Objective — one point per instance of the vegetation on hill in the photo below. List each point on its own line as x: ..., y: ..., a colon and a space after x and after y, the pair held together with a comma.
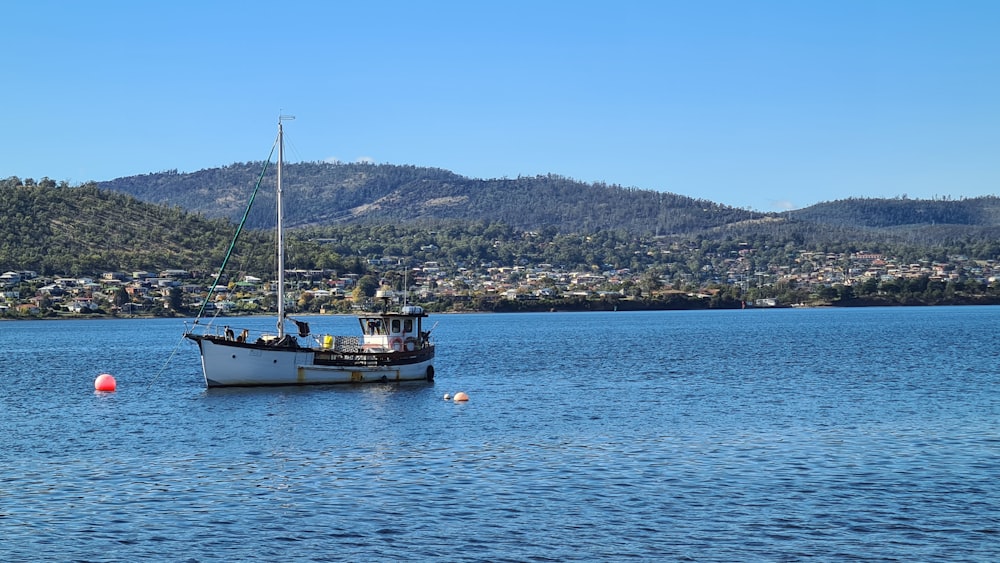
x: 321, y: 194
x: 882, y: 213
x: 324, y: 195
x: 56, y: 229
x: 349, y: 214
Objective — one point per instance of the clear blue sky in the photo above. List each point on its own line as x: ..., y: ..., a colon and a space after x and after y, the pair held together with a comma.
x: 759, y: 104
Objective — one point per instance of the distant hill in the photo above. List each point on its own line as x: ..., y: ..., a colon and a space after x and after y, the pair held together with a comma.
x: 324, y: 195
x: 881, y: 213
x: 916, y: 221
x: 170, y: 219
x: 319, y: 194
x: 84, y: 230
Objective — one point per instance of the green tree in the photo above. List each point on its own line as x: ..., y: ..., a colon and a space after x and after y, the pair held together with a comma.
x: 175, y: 299
x: 826, y: 293
x: 844, y: 292
x: 120, y: 297
x: 869, y: 286
x: 365, y: 288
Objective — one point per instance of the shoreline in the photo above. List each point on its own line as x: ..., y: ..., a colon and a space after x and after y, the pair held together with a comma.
x: 583, y: 307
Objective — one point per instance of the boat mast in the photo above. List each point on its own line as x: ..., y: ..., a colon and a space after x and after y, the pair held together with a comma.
x: 281, y: 229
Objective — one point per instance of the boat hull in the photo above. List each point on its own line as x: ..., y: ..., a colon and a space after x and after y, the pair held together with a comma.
x: 227, y: 363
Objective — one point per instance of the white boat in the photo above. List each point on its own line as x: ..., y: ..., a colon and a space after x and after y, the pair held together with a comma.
x: 392, y: 346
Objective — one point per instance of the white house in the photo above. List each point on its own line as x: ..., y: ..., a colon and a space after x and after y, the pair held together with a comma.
x: 10, y: 278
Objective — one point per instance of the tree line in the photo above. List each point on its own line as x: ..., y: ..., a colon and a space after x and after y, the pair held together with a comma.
x: 54, y: 228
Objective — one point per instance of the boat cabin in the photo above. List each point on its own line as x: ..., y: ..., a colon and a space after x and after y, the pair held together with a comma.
x: 398, y: 332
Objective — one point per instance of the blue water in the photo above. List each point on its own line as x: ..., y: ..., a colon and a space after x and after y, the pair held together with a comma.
x: 774, y: 435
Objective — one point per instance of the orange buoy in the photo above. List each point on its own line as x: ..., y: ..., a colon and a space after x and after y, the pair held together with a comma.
x: 105, y: 382
x: 461, y: 396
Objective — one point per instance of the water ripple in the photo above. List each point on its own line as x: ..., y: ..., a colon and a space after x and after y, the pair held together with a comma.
x: 831, y: 435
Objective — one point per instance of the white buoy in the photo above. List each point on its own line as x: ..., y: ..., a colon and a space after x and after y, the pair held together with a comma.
x: 447, y: 397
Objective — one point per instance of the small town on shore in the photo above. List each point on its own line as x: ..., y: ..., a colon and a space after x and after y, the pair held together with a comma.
x: 814, y: 279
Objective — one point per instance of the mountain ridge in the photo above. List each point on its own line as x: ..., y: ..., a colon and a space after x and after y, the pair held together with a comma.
x: 319, y: 194
x: 400, y: 210
x: 327, y: 193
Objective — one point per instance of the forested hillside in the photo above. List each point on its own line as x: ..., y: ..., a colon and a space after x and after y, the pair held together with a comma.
x: 430, y: 214
x: 901, y: 212
x: 324, y: 194
x: 916, y: 222
x: 85, y: 230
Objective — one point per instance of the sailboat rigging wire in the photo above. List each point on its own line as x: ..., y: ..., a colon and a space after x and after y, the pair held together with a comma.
x: 239, y: 229
x: 164, y: 366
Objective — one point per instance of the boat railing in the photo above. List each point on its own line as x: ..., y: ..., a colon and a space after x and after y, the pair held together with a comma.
x: 236, y: 334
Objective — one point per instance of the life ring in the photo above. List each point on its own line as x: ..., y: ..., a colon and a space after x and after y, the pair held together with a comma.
x: 396, y: 344
x: 411, y: 344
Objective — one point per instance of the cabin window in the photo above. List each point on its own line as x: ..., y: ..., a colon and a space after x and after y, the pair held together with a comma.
x: 408, y: 326
x: 395, y: 326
